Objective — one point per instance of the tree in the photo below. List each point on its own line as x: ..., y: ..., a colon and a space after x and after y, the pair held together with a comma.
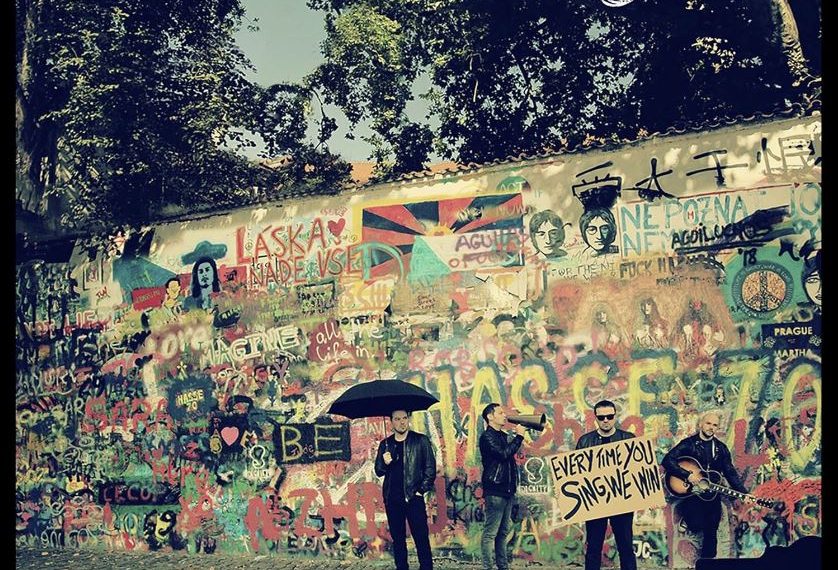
x: 127, y: 110
x: 530, y: 75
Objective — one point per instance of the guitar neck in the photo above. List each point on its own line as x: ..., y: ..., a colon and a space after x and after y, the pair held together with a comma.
x: 731, y: 492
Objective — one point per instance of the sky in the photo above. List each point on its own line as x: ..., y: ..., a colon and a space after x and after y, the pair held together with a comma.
x: 286, y: 48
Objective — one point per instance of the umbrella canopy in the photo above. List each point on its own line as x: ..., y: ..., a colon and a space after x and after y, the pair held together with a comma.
x: 380, y: 398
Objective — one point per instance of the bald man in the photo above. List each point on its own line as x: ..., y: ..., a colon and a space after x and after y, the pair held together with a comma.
x: 699, y: 515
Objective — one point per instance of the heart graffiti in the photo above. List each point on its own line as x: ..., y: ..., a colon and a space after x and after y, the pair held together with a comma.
x: 336, y: 227
x: 230, y: 435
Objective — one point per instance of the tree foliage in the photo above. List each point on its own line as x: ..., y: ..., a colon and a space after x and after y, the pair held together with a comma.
x: 528, y: 75
x: 130, y: 109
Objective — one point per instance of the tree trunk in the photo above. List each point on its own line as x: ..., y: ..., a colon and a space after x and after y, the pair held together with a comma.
x: 34, y: 138
x: 790, y: 39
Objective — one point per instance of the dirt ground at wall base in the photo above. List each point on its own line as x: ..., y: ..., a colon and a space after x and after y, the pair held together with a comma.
x: 28, y: 558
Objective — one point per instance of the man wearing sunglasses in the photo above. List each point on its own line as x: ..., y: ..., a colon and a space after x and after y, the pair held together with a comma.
x: 621, y: 525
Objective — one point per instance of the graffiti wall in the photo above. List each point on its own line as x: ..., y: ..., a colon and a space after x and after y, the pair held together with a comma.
x: 171, y: 391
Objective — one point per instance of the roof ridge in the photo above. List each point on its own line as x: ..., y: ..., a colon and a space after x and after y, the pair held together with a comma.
x: 427, y: 173
x: 679, y: 128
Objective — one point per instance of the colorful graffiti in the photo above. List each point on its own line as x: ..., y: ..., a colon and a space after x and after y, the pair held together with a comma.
x: 171, y: 391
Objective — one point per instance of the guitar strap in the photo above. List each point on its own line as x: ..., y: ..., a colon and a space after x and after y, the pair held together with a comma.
x: 699, y: 446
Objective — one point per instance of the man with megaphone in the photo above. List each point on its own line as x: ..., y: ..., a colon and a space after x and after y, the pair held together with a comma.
x: 499, y: 480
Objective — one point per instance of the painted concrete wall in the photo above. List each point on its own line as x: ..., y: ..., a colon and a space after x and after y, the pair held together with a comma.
x: 171, y: 392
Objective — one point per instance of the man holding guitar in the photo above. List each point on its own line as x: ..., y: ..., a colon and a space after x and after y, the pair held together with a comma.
x: 694, y: 464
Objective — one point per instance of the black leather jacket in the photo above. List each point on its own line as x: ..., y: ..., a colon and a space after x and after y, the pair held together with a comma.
x: 593, y: 438
x: 419, y: 464
x: 500, y: 474
x: 720, y: 461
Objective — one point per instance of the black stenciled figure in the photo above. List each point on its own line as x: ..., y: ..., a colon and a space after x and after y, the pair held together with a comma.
x: 204, y: 284
x: 547, y: 231
x: 812, y: 275
x: 621, y: 525
x: 599, y: 230
x: 700, y: 515
x: 159, y: 530
x: 407, y: 463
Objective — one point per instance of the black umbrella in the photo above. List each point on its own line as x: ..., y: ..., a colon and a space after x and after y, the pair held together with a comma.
x: 380, y: 398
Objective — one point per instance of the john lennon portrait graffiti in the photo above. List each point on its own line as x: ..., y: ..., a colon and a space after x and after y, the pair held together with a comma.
x: 547, y: 231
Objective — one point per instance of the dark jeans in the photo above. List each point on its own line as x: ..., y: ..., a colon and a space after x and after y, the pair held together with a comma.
x: 595, y: 535
x: 703, y: 517
x: 414, y: 514
x: 496, y: 527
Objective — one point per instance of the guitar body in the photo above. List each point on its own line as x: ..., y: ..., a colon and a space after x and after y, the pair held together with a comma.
x: 680, y: 488
x: 709, y: 486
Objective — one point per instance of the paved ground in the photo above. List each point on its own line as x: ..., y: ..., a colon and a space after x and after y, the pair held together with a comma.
x: 29, y: 558
x: 89, y: 559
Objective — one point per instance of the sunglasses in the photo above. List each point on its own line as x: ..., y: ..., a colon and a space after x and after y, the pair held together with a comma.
x: 605, y: 417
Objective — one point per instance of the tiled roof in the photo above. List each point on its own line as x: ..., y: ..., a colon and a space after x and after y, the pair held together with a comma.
x: 796, y: 110
x: 362, y: 171
x: 361, y: 174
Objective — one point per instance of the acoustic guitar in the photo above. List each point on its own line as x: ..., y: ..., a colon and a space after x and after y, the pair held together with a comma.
x: 709, y: 486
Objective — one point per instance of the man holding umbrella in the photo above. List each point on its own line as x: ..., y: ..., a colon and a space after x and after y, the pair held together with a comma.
x: 407, y: 463
x: 405, y: 459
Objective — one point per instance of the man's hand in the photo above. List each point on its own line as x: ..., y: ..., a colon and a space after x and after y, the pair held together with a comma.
x: 520, y: 430
x: 388, y: 459
x: 694, y: 478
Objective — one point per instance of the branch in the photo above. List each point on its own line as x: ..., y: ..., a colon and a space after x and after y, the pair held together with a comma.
x: 533, y: 107
x: 476, y: 81
x: 323, y: 115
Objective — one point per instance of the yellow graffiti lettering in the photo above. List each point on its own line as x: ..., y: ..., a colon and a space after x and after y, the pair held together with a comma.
x: 805, y: 371
x: 318, y: 438
x: 751, y: 374
x: 419, y: 422
x: 445, y: 387
x: 662, y: 365
x: 529, y: 528
x: 294, y: 442
x: 531, y: 374
x: 486, y: 380
x: 593, y: 371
